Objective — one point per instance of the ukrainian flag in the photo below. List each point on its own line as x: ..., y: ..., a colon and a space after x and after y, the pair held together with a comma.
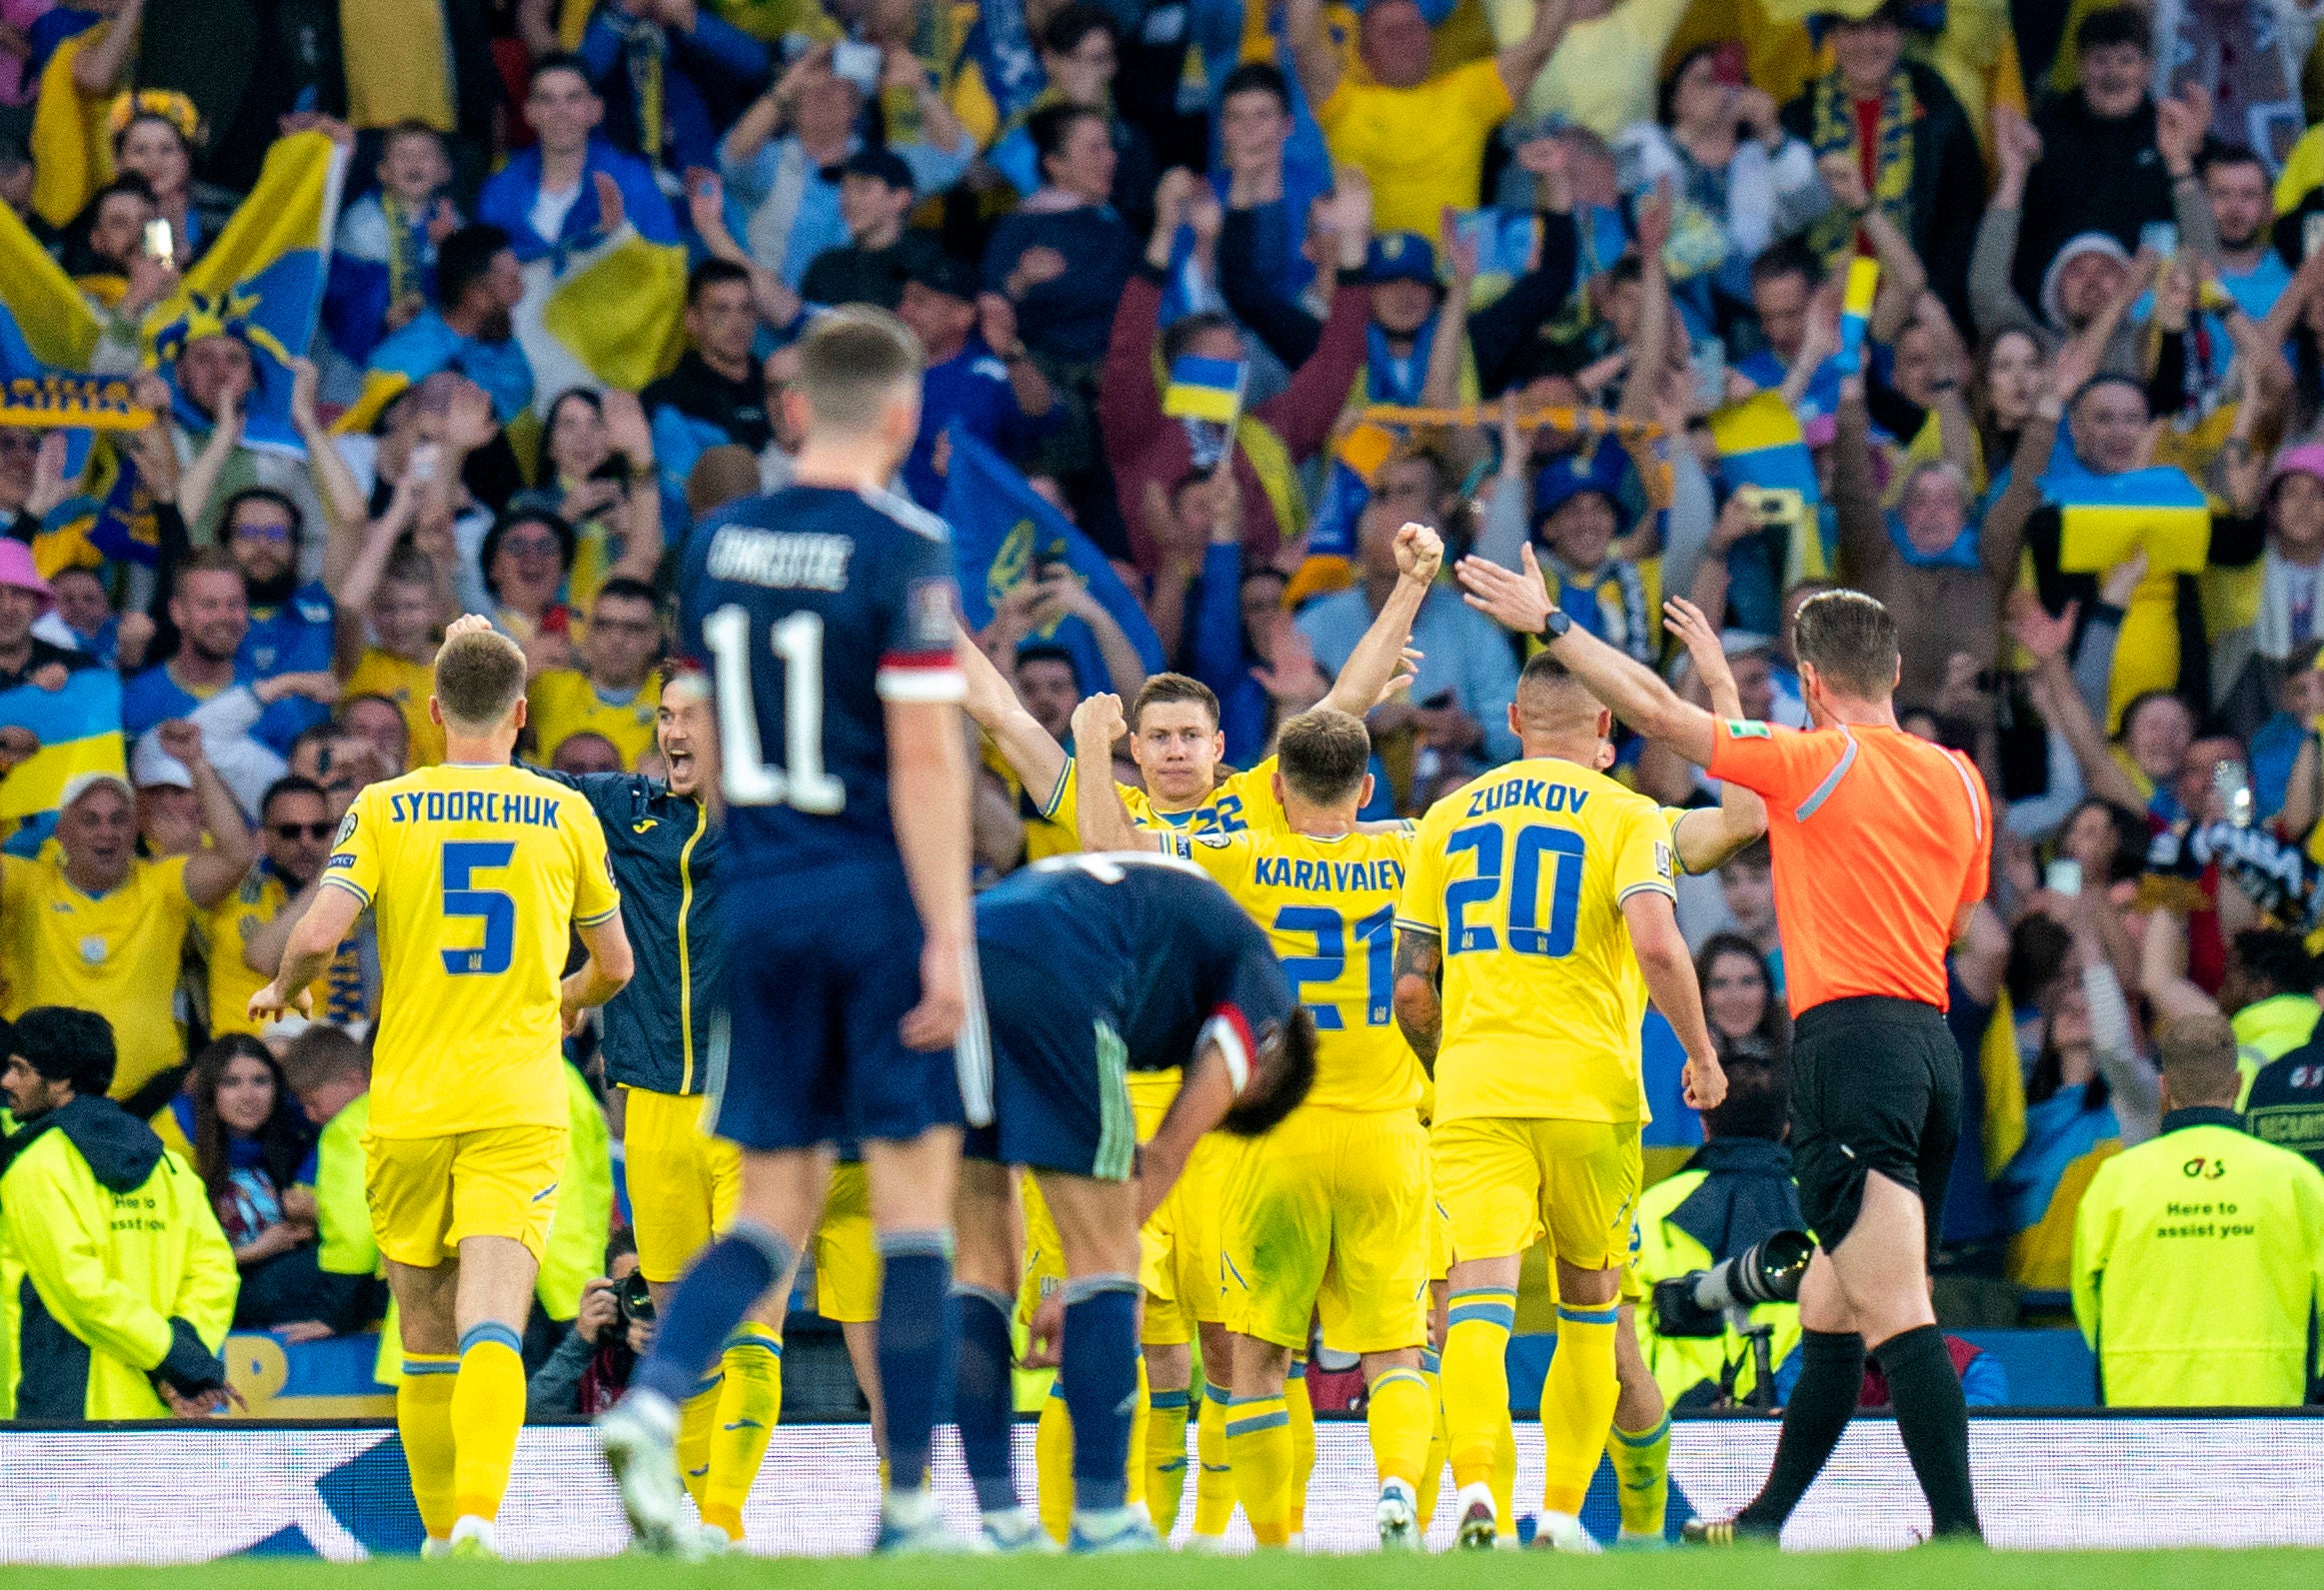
x: 609, y: 315
x: 79, y: 730
x: 1205, y: 388
x: 262, y: 281
x: 2103, y: 517
x: 47, y: 334
x: 1761, y: 446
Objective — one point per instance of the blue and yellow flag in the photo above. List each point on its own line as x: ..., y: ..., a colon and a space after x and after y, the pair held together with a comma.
x: 47, y: 334
x: 1205, y: 388
x: 1762, y: 447
x: 618, y: 310
x: 1005, y: 534
x: 261, y: 282
x: 2103, y: 517
x: 79, y: 730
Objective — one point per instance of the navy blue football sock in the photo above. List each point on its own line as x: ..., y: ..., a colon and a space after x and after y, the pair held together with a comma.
x: 728, y: 1278
x: 981, y: 1394
x: 1099, y: 1371
x: 915, y: 1337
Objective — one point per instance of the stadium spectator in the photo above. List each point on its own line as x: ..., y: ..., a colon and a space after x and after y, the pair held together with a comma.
x: 248, y: 1141
x: 574, y: 188
x: 104, y: 1319
x: 880, y: 254
x: 210, y: 608
x: 1741, y: 1001
x: 1081, y: 51
x: 614, y: 694
x: 24, y: 597
x: 468, y: 325
x: 294, y: 836
x: 717, y: 395
x: 981, y: 375
x: 2196, y: 1276
x: 93, y: 924
x: 664, y: 68
x: 293, y: 622
x: 1063, y: 255
x: 383, y: 257
x: 591, y: 1366
x: 524, y: 561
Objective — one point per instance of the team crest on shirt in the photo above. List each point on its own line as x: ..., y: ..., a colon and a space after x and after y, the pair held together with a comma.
x: 929, y: 604
x: 346, y: 829
x: 1663, y: 860
x: 93, y: 951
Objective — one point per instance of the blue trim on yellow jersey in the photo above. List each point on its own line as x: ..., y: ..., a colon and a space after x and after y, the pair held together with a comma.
x: 1591, y: 1316
x: 350, y: 886
x: 601, y: 916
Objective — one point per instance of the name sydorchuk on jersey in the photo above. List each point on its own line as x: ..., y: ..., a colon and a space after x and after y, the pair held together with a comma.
x: 1541, y: 793
x: 473, y: 806
x: 781, y: 559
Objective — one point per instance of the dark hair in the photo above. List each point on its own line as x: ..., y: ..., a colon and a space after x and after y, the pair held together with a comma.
x: 1073, y: 24
x: 620, y: 1246
x: 465, y: 258
x: 121, y: 137
x: 1052, y: 125
x: 1772, y: 1036
x: 205, y: 561
x: 1282, y: 1072
x: 1758, y: 1101
x: 261, y: 494
x: 65, y: 1044
x: 1323, y: 755
x: 623, y: 588
x: 2127, y: 858
x: 1850, y: 640
x: 409, y: 127
x: 1667, y: 95
x: 710, y: 273
x: 1256, y: 77
x: 2216, y: 153
x: 289, y: 784
x: 2114, y: 25
x: 2038, y: 954
x: 79, y: 254
x: 1179, y: 335
x: 283, y: 1138
x: 2276, y: 957
x: 522, y: 510
x: 1161, y: 688
x: 1048, y: 652
x: 2049, y: 1066
x: 559, y: 61
x: 1788, y: 257
x: 2141, y: 701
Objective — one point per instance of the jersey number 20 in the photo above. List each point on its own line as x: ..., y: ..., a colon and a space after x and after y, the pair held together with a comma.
x: 1557, y: 850
x: 749, y: 778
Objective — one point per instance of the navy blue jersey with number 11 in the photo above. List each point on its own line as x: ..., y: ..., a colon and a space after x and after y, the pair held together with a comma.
x: 811, y: 608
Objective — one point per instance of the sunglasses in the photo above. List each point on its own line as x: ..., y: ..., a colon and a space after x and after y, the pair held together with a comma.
x: 295, y: 831
x: 274, y: 532
x: 531, y: 545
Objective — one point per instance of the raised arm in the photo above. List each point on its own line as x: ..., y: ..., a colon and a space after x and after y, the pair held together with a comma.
x: 1640, y: 697
x: 1523, y: 61
x: 2162, y: 970
x: 212, y: 871
x: 1038, y: 760
x: 2044, y: 638
x: 1312, y: 54
x: 1099, y: 814
x: 1372, y: 668
x: 1706, y: 839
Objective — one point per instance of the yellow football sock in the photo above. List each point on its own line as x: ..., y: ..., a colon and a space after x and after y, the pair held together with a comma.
x: 1215, y: 1480
x: 1166, y: 1458
x: 1643, y: 1475
x: 1431, y: 1466
x: 488, y: 1409
x: 1053, y: 1466
x: 1303, y: 1412
x: 1475, y: 1379
x: 1578, y: 1404
x: 749, y: 1400
x: 1504, y: 1468
x: 1260, y: 1447
x: 1401, y: 1416
x: 424, y: 1420
x: 697, y: 1419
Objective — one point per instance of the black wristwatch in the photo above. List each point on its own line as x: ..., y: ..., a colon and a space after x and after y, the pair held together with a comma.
x: 1555, y: 625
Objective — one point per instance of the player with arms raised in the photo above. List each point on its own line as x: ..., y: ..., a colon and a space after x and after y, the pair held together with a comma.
x: 1882, y: 844
x: 477, y: 872
x: 826, y: 613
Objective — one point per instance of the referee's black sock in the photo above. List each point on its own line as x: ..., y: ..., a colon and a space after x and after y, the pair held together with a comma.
x: 1831, y: 1378
x: 1933, y: 1418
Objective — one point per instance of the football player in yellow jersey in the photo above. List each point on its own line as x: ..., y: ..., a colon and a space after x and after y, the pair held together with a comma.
x: 1538, y: 916
x: 1329, y: 1209
x: 477, y: 875
x: 1177, y: 744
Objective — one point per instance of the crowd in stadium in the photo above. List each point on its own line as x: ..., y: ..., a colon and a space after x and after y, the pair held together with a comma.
x: 1215, y: 296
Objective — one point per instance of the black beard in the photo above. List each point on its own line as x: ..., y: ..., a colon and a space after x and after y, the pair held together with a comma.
x: 496, y: 327
x: 2237, y: 245
x: 271, y: 591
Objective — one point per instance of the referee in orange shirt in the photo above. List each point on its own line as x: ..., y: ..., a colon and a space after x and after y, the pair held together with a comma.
x: 1882, y: 843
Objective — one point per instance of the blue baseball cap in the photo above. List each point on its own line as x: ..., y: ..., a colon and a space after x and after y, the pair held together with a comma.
x: 1400, y: 257
x: 1603, y: 470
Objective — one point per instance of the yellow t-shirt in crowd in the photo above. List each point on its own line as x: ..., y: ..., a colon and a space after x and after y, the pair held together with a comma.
x: 115, y: 954
x: 476, y: 876
x: 1521, y: 875
x: 1329, y: 908
x: 564, y: 703
x: 1604, y: 71
x: 226, y: 928
x: 407, y: 685
x: 1422, y: 148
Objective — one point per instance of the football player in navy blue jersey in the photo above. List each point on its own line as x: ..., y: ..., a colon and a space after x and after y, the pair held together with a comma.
x: 851, y: 1012
x: 1096, y: 966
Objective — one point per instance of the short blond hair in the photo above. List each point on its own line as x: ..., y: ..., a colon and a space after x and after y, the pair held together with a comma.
x: 479, y: 678
x: 852, y: 361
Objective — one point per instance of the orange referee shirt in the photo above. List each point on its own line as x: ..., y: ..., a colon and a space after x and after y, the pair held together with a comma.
x: 1878, y: 838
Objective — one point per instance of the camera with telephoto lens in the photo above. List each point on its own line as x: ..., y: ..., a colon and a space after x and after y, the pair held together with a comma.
x: 636, y: 1300
x: 1699, y: 1303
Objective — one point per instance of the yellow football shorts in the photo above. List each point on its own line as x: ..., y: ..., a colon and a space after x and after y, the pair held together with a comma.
x: 683, y: 1181
x: 429, y: 1194
x: 1501, y: 1181
x: 1439, y: 1231
x: 847, y: 1257
x: 1180, y: 1246
x: 1330, y: 1215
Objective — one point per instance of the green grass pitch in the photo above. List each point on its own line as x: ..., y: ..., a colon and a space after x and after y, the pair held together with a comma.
x: 1929, y: 1568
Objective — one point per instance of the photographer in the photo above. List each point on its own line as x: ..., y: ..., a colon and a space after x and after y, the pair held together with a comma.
x: 1735, y: 1192
x: 591, y: 1366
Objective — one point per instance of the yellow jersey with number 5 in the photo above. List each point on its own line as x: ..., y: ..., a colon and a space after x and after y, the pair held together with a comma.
x: 1328, y: 907
x: 476, y: 876
x: 1521, y: 877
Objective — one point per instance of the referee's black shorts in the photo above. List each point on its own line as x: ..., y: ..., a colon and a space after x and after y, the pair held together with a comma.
x: 1875, y: 1085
